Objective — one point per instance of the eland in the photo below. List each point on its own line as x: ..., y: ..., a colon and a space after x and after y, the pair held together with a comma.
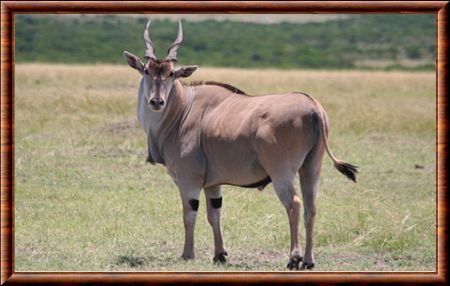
x: 209, y: 134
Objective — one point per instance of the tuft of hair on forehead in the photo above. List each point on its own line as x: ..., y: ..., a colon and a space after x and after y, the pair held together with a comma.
x: 160, y: 67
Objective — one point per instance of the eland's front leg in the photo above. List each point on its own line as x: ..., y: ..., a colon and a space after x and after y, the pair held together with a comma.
x: 213, y: 206
x: 189, y: 197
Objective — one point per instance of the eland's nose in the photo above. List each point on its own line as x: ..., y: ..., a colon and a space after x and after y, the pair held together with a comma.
x: 156, y: 102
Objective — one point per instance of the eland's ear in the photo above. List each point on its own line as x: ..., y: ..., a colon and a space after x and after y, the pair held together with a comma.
x: 134, y: 62
x: 185, y: 71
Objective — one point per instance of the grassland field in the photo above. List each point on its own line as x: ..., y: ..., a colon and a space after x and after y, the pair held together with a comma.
x: 85, y: 200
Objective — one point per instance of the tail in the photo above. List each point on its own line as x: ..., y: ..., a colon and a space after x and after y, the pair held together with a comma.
x: 345, y: 168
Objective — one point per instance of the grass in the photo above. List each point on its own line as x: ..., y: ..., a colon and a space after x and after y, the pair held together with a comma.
x: 85, y: 200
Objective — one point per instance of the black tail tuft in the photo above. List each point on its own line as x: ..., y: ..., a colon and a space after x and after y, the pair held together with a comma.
x: 347, y: 169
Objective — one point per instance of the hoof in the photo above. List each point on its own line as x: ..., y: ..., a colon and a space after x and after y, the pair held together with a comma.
x: 220, y: 258
x: 308, y: 266
x: 187, y: 257
x: 294, y: 262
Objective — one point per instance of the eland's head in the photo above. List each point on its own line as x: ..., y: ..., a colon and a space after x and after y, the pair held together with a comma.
x: 159, y: 75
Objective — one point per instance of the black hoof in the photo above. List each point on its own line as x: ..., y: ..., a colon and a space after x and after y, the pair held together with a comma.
x: 220, y: 258
x: 308, y: 266
x: 294, y: 262
x: 185, y: 257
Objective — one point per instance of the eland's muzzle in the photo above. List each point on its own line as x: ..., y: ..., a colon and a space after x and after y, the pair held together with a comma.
x: 156, y: 103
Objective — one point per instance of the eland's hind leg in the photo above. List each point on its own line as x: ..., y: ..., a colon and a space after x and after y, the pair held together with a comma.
x: 213, y: 197
x: 282, y: 160
x: 309, y: 182
x: 284, y: 188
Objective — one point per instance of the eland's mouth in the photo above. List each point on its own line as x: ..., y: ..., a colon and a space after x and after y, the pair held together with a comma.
x: 156, y: 108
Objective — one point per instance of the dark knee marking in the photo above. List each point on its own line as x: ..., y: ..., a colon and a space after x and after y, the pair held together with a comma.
x: 194, y: 204
x: 216, y: 203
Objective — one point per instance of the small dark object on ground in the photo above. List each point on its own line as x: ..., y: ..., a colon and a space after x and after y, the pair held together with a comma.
x: 131, y: 261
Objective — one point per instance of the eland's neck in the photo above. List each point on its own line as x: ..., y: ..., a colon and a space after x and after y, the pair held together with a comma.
x: 173, y: 112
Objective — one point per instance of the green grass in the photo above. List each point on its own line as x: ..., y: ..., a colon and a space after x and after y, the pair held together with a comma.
x: 86, y: 200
